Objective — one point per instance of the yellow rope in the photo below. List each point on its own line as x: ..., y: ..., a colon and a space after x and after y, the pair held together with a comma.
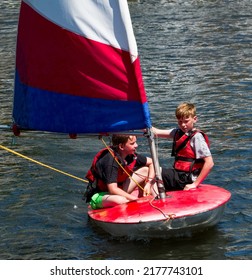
x: 42, y: 164
x: 169, y: 216
x: 105, y: 144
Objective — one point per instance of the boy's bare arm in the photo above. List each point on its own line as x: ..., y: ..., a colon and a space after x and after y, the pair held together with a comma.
x: 208, y: 165
x: 162, y: 133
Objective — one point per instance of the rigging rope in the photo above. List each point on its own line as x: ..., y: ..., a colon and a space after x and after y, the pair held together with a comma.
x: 42, y: 164
x: 167, y: 216
x: 117, y: 161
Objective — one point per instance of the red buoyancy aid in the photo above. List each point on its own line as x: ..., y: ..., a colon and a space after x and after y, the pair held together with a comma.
x: 123, y: 171
x: 185, y: 159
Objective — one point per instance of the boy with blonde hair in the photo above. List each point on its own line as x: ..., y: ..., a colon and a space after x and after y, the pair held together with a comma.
x: 193, y: 159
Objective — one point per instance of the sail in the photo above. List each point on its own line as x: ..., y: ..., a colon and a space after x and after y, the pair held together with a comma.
x: 77, y: 68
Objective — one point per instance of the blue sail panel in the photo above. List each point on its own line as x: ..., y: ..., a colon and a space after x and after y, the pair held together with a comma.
x: 71, y: 112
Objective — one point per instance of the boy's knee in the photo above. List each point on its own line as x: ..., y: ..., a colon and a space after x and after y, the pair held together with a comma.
x: 144, y: 171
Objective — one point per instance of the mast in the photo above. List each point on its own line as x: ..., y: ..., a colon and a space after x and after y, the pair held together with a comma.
x: 61, y: 86
x: 154, y: 156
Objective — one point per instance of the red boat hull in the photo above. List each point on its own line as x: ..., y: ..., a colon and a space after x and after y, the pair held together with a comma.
x: 181, y: 212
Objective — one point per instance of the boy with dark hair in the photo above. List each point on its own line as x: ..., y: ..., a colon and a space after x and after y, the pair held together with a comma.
x: 118, y: 170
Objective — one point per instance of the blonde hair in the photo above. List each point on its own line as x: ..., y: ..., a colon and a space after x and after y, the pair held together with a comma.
x: 185, y: 110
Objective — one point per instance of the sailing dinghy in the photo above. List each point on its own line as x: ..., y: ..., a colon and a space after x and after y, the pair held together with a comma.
x: 78, y: 72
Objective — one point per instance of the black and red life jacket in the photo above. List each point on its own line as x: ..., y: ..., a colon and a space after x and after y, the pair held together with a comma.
x: 123, y: 171
x: 185, y: 158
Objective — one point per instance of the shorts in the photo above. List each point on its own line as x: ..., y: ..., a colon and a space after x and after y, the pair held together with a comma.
x: 96, y: 200
x: 174, y: 180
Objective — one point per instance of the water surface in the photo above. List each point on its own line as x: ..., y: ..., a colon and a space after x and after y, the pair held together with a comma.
x: 197, y: 51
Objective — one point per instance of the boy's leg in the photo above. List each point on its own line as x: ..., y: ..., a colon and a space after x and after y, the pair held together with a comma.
x: 139, y: 177
x: 103, y: 200
x: 113, y: 200
x: 170, y: 179
x: 136, y: 178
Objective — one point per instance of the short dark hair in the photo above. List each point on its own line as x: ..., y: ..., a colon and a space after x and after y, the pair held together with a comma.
x: 120, y: 139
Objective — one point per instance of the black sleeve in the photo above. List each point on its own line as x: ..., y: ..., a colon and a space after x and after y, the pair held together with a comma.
x: 140, y: 161
x: 108, y: 169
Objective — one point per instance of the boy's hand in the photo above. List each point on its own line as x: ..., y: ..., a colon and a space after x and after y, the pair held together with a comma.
x: 147, y: 189
x: 190, y: 187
